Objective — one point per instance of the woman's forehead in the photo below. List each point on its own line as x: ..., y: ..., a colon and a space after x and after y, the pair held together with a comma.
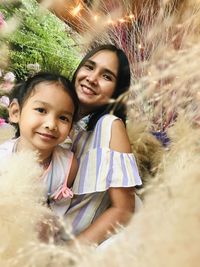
x: 105, y: 59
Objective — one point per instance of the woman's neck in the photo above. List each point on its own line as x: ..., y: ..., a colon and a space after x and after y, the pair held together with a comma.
x: 84, y: 112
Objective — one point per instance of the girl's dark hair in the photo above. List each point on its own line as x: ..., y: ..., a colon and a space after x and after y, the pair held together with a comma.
x: 23, y: 90
x: 122, y: 84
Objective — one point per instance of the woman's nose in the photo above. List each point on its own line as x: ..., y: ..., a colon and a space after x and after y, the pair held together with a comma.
x: 92, y: 77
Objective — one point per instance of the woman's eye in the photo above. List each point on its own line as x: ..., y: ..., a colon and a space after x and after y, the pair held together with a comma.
x: 88, y: 66
x: 41, y: 110
x: 107, y: 77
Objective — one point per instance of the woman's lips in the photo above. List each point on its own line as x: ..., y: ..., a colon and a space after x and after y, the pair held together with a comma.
x: 87, y: 90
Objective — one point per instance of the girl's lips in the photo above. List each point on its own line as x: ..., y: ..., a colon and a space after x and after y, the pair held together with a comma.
x: 47, y: 136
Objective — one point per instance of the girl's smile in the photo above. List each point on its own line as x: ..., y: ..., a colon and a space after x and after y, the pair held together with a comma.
x: 46, y: 137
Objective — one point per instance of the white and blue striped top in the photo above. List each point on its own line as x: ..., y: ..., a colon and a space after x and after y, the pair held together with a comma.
x: 99, y: 169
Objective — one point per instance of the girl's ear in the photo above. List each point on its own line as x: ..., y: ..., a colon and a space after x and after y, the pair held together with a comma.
x: 14, y: 111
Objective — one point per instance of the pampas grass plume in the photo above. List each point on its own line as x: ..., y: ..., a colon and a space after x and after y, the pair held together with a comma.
x: 6, y: 132
x: 21, y: 206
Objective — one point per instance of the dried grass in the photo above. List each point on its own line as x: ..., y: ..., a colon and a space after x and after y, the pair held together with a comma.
x: 165, y: 83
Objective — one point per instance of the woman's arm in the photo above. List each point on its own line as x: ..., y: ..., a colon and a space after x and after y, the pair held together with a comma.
x: 120, y: 212
x: 122, y: 199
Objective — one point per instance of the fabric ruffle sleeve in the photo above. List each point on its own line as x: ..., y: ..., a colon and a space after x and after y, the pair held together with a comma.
x: 6, y: 149
x: 102, y: 168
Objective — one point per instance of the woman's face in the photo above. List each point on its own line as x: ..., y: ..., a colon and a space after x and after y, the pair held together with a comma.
x: 96, y: 80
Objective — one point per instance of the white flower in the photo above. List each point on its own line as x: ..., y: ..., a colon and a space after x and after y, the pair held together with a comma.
x: 4, y: 101
x: 9, y: 77
x: 34, y: 67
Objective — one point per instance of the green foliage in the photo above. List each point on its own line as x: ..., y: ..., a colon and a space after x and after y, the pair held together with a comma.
x: 41, y: 38
x: 3, y: 113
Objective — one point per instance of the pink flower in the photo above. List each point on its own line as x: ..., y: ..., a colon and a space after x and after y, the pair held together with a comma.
x: 6, y: 86
x: 2, y: 121
x: 2, y: 21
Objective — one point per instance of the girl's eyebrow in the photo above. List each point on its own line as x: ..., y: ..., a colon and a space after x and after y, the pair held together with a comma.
x: 93, y: 63
x: 48, y: 105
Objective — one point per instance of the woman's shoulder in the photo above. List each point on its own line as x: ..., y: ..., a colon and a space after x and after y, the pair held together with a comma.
x: 102, y: 130
x: 119, y: 140
x: 111, y: 132
x: 107, y: 118
x: 105, y: 123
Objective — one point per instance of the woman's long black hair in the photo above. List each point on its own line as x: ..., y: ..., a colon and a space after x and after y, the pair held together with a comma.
x: 122, y: 84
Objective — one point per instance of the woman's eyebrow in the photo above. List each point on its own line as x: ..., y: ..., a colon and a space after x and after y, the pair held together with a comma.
x: 111, y: 73
x: 93, y: 63
x: 90, y: 61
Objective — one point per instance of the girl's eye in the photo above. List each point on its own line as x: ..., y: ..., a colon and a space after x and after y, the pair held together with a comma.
x: 65, y: 119
x: 41, y: 110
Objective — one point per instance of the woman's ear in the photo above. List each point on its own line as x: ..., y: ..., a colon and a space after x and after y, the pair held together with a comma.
x: 14, y: 111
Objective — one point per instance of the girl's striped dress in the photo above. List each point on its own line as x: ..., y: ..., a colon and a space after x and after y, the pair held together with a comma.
x: 99, y: 169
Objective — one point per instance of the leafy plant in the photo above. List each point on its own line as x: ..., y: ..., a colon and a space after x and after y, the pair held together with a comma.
x: 40, y: 38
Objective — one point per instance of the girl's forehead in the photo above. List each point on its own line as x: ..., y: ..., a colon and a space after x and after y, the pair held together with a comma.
x: 50, y: 92
x: 46, y: 83
x: 47, y: 86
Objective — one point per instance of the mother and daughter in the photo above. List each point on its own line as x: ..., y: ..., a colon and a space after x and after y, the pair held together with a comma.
x: 92, y: 186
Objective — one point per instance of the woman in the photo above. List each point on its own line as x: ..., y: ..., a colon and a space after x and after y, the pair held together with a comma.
x: 103, y: 190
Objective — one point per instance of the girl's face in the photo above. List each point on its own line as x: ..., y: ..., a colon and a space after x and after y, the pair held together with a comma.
x: 45, y: 118
x: 96, y: 80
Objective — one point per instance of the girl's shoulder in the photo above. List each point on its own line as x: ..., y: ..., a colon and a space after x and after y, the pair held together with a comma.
x: 7, y: 145
x: 62, y: 152
x: 6, y: 148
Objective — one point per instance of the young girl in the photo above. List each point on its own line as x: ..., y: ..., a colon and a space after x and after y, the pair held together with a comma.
x: 42, y: 109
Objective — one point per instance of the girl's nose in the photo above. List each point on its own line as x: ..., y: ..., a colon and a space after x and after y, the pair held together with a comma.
x: 50, y: 124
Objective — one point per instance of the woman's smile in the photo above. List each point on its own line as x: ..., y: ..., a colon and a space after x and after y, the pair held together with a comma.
x: 96, y: 80
x: 88, y: 90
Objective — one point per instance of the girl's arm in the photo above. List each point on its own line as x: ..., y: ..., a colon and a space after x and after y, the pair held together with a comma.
x: 122, y: 199
x: 73, y: 172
